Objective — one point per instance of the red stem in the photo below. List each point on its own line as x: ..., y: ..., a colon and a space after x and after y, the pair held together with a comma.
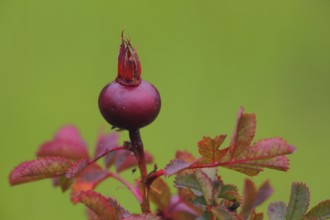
x: 139, y: 153
x: 128, y: 185
x: 106, y: 152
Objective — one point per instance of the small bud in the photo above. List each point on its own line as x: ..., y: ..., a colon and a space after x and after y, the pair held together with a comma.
x: 129, y: 66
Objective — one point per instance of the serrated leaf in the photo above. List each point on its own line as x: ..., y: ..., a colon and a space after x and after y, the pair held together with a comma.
x: 249, y: 198
x: 175, y: 166
x: 38, y: 169
x: 184, y: 156
x: 91, y: 215
x: 187, y: 181
x: 160, y: 194
x: 206, y: 186
x: 126, y: 159
x: 299, y: 201
x: 243, y: 133
x: 67, y: 143
x: 230, y: 192
x: 143, y: 217
x: 277, y: 211
x: 88, y: 179
x: 106, y: 142
x: 320, y: 211
x: 98, y: 204
x: 263, y: 193
x: 266, y: 153
x: 223, y: 214
x: 76, y: 168
x: 208, y: 148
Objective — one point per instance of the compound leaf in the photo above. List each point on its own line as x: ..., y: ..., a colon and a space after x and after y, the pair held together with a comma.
x: 38, y: 169
x: 299, y: 201
x: 126, y: 159
x: 320, y: 211
x: 277, y: 211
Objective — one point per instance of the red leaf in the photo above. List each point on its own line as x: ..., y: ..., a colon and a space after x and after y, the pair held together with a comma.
x: 41, y: 168
x: 243, y: 133
x: 66, y: 143
x: 185, y: 156
x: 98, y: 204
x: 264, y: 192
x: 106, y: 142
x: 88, y: 179
x: 266, y: 153
x: 209, y: 148
x: 126, y: 159
x: 76, y: 168
x: 175, y: 166
x: 249, y: 197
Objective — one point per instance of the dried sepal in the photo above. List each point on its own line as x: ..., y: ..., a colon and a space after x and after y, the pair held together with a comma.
x: 67, y: 143
x: 38, y: 169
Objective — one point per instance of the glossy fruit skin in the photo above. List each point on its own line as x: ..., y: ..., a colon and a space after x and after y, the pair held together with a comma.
x: 129, y: 107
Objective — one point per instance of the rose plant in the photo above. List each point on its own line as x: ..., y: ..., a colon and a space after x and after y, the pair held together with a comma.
x: 130, y: 103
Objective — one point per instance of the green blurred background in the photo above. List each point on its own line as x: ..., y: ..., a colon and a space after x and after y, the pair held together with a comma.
x: 207, y: 58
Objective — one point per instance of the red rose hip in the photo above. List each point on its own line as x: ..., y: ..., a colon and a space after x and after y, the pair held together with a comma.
x: 129, y: 102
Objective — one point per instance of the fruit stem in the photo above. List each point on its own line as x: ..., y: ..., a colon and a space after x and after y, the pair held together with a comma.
x: 139, y: 153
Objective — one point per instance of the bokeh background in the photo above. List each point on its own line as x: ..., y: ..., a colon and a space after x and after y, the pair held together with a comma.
x: 207, y: 58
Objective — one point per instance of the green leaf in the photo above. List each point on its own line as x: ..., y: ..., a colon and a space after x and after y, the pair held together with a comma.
x: 299, y: 201
x: 198, y: 182
x: 230, y: 192
x: 243, y: 133
x: 223, y: 214
x: 38, y: 169
x: 249, y: 198
x: 320, y: 211
x: 208, y: 148
x: 277, y: 211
